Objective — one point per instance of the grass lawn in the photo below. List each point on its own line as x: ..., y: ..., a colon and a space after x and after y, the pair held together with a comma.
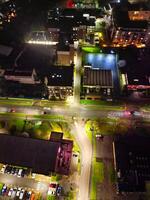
x: 97, y: 167
x: 55, y: 126
x: 97, y: 176
x: 13, y: 115
x: 57, y: 117
x: 112, y: 174
x: 18, y: 123
x: 1, y: 186
x: 146, y: 107
x: 102, y: 105
x: 49, y: 197
x: 16, y: 101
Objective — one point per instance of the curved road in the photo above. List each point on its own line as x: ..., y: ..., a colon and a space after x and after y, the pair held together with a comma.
x: 86, y: 160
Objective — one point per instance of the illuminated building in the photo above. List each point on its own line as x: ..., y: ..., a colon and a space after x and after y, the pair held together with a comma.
x: 60, y: 82
x: 43, y: 37
x: 139, y: 15
x: 82, y: 4
x: 100, y: 76
x: 127, y: 32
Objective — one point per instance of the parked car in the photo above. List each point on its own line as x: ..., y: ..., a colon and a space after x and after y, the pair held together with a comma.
x: 10, y: 192
x: 4, y: 189
x: 3, y: 169
x: 27, y: 195
x: 13, y: 170
x: 8, y: 169
x: 18, y: 191
x: 59, y: 190
x: 13, y: 195
x: 32, y: 196
x: 21, y: 194
x: 19, y: 172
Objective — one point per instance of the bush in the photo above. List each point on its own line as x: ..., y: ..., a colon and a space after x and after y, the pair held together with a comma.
x: 2, y: 124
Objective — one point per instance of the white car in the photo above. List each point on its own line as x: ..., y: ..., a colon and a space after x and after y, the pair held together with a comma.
x: 10, y: 192
x: 13, y: 195
x: 3, y: 169
x: 21, y: 194
x: 19, y: 172
x: 33, y: 175
x: 18, y: 192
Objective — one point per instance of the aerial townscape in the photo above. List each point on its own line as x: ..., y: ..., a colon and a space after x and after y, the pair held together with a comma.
x: 74, y: 99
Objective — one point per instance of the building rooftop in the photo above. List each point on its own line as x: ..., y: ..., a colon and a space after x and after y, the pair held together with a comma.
x: 60, y: 76
x: 18, y: 72
x: 40, y: 155
x: 132, y: 160
x: 97, y: 77
x: 122, y: 20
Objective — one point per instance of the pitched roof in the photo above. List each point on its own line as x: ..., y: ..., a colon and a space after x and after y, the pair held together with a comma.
x: 18, y: 72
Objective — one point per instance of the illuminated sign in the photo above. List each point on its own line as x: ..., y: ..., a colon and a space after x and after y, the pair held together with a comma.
x: 135, y: 87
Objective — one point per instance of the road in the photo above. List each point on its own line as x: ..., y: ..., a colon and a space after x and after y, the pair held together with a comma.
x: 104, y: 152
x: 75, y: 111
x: 77, y: 76
x: 86, y: 160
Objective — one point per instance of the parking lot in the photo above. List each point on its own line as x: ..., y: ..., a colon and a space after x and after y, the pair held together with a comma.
x: 14, y: 170
x: 19, y: 183
x: 16, y: 192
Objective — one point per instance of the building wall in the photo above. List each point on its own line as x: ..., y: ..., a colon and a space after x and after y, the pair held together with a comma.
x: 21, y: 79
x: 139, y: 15
x: 60, y: 92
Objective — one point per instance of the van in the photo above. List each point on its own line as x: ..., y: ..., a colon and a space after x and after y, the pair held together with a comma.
x: 20, y: 172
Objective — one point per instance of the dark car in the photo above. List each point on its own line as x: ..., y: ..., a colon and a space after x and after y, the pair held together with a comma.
x: 59, y: 190
x: 4, y: 189
x: 8, y: 169
x: 13, y: 170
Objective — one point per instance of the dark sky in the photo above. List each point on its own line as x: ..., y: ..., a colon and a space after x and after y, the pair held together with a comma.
x: 54, y: 3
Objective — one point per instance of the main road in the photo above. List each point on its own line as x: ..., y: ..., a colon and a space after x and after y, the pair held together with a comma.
x: 84, y: 111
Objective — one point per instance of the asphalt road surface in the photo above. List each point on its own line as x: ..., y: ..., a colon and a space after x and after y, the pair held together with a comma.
x: 86, y: 159
x: 77, y: 111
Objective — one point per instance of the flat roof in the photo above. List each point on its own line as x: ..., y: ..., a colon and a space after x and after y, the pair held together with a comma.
x: 40, y: 155
x: 60, y: 76
x: 132, y: 159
